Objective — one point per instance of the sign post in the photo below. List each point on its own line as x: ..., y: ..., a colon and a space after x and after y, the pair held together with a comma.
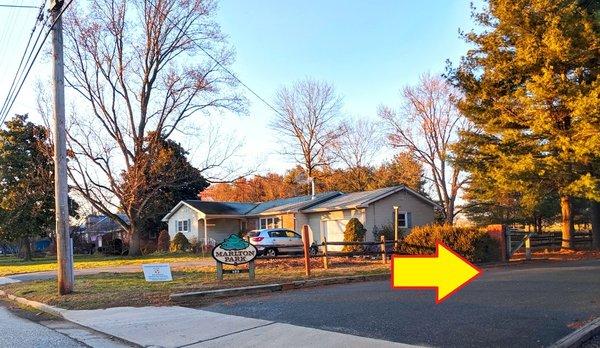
x: 235, y: 251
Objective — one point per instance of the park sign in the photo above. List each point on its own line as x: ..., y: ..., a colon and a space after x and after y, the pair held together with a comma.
x: 234, y: 251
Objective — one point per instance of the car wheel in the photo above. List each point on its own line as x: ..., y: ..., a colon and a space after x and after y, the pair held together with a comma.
x: 270, y: 252
x: 313, y: 251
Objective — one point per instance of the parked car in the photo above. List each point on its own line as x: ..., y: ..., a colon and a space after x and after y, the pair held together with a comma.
x: 275, y: 241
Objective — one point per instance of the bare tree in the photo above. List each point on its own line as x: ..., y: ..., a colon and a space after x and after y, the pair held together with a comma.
x: 427, y: 125
x: 139, y: 68
x: 359, y: 143
x: 308, y: 120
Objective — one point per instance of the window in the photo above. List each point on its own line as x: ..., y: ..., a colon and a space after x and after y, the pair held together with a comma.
x: 291, y: 234
x: 270, y: 222
x: 404, y: 219
x: 183, y: 225
x: 277, y: 234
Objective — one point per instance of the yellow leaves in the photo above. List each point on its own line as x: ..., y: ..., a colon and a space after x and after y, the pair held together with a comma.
x: 586, y: 186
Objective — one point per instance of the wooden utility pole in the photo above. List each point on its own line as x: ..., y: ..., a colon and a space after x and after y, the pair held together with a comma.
x: 64, y: 249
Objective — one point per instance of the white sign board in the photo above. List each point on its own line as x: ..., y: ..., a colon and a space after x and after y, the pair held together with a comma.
x: 157, y: 272
x: 234, y: 251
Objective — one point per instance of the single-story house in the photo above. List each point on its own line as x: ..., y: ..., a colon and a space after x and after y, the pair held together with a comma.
x: 326, y: 214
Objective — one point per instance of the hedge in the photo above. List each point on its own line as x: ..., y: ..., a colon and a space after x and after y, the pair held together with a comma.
x: 471, y: 243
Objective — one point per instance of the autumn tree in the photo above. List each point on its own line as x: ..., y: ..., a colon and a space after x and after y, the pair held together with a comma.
x: 402, y: 169
x: 308, y: 122
x: 427, y: 125
x: 257, y: 188
x: 141, y: 71
x: 531, y: 88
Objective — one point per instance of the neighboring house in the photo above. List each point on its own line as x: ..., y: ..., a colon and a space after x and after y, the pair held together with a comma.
x: 99, y: 227
x: 326, y: 214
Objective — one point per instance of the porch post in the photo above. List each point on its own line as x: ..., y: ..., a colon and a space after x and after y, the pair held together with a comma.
x: 205, y: 232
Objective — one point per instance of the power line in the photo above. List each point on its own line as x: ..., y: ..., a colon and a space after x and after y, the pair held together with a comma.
x: 33, y: 61
x: 17, y: 6
x: 218, y: 62
x: 17, y: 76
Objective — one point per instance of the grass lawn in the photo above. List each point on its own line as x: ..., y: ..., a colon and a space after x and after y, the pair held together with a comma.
x: 12, y: 265
x: 130, y: 289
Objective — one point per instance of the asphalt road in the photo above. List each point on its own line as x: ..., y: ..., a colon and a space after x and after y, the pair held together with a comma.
x: 19, y: 332
x: 522, y: 307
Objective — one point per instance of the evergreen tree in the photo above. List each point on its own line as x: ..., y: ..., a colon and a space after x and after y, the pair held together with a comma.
x: 531, y: 87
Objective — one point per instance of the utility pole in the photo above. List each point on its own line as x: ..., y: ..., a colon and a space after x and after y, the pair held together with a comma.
x: 64, y: 249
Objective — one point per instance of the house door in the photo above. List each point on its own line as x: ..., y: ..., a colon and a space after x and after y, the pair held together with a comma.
x: 334, y: 232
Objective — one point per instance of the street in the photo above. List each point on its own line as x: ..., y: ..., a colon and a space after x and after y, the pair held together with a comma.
x: 19, y: 332
x: 23, y: 328
x: 519, y: 307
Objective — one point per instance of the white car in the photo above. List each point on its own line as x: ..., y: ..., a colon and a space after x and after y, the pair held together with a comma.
x: 275, y: 241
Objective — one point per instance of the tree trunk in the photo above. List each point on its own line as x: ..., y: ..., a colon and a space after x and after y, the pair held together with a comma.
x: 595, y: 224
x: 26, y: 249
x: 449, y: 218
x: 567, y: 223
x: 134, y: 241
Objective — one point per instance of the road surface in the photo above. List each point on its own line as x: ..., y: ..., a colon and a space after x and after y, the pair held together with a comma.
x: 505, y: 307
x: 19, y: 332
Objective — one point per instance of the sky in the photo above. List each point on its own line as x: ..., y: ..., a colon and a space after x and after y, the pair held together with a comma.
x: 368, y: 50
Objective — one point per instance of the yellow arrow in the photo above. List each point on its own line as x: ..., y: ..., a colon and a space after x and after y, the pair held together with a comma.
x: 445, y: 271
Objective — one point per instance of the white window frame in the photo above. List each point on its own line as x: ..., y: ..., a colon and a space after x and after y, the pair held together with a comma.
x: 269, y: 222
x: 405, y: 215
x: 183, y: 225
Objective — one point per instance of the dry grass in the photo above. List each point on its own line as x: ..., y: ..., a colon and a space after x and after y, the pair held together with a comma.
x: 12, y: 265
x: 130, y: 289
x: 556, y: 254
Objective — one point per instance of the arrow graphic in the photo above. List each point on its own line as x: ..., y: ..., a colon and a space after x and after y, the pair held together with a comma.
x: 445, y: 271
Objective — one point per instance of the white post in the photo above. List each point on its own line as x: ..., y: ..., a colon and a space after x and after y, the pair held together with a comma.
x: 396, y: 226
x: 205, y: 233
x: 64, y: 253
x: 528, y: 247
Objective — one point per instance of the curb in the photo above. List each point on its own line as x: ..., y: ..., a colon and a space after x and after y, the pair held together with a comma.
x: 58, y: 312
x: 258, y: 289
x: 579, y: 336
x: 34, y: 304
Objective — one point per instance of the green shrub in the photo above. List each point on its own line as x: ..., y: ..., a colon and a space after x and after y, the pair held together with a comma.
x: 180, y: 242
x: 385, y: 230
x: 354, y: 232
x: 471, y: 243
x: 163, y: 241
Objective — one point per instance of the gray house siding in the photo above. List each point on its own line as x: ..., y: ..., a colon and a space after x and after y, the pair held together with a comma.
x: 381, y: 212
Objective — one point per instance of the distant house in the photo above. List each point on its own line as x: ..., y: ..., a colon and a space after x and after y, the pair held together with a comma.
x: 326, y: 214
x: 100, y: 228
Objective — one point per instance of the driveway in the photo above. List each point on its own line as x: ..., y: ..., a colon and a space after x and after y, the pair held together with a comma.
x: 505, y: 307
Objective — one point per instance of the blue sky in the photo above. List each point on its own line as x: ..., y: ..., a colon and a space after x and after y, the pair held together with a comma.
x: 367, y: 49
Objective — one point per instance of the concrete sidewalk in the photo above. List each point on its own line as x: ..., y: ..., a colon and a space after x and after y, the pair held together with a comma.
x: 186, y: 327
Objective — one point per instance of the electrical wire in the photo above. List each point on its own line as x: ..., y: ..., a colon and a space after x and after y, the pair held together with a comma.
x: 64, y: 8
x: 218, y: 62
x: 19, y: 72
